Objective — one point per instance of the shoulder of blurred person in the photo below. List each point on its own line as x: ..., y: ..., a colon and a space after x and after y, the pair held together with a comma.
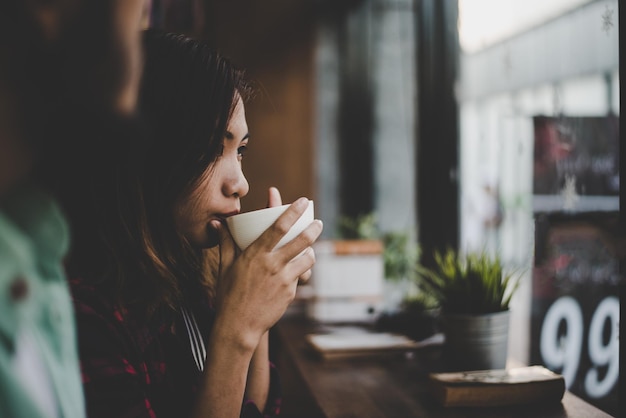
x: 92, y: 144
x: 39, y: 365
x: 61, y: 65
x: 39, y: 368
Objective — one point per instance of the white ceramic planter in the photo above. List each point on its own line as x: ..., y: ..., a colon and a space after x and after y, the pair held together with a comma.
x: 347, y: 281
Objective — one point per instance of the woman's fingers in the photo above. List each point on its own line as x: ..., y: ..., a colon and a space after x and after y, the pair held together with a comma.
x: 274, y: 198
x: 274, y: 233
x: 305, y: 239
x: 304, y: 277
x: 300, y: 266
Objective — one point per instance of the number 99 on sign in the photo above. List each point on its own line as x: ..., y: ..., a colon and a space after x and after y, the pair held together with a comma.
x: 562, y: 351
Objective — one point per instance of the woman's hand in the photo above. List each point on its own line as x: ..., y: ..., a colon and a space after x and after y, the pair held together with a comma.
x: 274, y: 199
x: 255, y: 288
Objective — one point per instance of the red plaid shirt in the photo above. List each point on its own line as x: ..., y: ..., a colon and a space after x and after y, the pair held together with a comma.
x: 134, y: 369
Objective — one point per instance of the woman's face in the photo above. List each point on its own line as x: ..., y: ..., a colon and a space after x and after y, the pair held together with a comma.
x: 217, y: 195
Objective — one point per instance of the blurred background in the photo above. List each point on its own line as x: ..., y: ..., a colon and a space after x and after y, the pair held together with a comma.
x: 472, y: 124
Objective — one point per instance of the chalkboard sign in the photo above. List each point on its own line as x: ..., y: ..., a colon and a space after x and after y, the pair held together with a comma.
x: 581, y: 152
x: 575, y: 305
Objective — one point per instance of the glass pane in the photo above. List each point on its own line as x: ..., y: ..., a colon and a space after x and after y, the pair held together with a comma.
x: 539, y: 137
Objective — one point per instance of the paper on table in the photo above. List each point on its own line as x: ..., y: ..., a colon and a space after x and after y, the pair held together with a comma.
x: 383, y: 340
x: 369, y: 341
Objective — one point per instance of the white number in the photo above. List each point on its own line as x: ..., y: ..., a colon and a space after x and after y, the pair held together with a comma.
x: 562, y: 351
x: 600, y: 354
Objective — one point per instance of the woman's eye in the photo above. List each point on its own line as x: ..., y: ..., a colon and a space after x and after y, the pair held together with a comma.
x: 242, y: 150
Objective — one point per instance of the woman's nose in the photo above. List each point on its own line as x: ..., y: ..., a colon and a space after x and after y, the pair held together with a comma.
x: 237, y: 184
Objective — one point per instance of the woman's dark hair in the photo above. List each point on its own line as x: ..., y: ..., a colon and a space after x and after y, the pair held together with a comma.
x: 187, y: 97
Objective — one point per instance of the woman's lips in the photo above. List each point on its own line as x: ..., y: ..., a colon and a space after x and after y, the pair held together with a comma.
x: 226, y: 215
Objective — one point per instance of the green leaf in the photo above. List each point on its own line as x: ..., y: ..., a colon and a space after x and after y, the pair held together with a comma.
x: 470, y: 283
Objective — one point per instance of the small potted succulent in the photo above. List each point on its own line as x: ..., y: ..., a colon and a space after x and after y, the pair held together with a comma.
x: 473, y: 291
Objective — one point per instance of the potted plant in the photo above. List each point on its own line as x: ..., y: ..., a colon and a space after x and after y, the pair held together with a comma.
x: 474, y: 291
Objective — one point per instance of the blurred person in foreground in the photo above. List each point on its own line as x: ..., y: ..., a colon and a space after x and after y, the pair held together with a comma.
x: 160, y: 334
x: 52, y: 54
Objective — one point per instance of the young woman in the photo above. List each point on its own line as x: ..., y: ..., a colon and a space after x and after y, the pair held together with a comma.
x: 158, y: 336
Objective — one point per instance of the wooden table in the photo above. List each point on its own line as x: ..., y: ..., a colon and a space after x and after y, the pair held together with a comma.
x: 382, y: 386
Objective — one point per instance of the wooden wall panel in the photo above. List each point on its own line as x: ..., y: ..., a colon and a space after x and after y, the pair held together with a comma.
x: 273, y: 41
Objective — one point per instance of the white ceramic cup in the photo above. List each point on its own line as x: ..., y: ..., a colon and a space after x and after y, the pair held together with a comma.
x: 248, y: 226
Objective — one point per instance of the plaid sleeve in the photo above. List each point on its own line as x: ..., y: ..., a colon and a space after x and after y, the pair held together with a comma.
x: 274, y: 398
x: 114, y: 385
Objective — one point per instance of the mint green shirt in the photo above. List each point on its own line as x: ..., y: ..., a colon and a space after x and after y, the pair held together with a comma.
x: 39, y: 365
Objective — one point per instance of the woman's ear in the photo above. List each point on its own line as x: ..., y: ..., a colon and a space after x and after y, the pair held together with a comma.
x: 51, y: 15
